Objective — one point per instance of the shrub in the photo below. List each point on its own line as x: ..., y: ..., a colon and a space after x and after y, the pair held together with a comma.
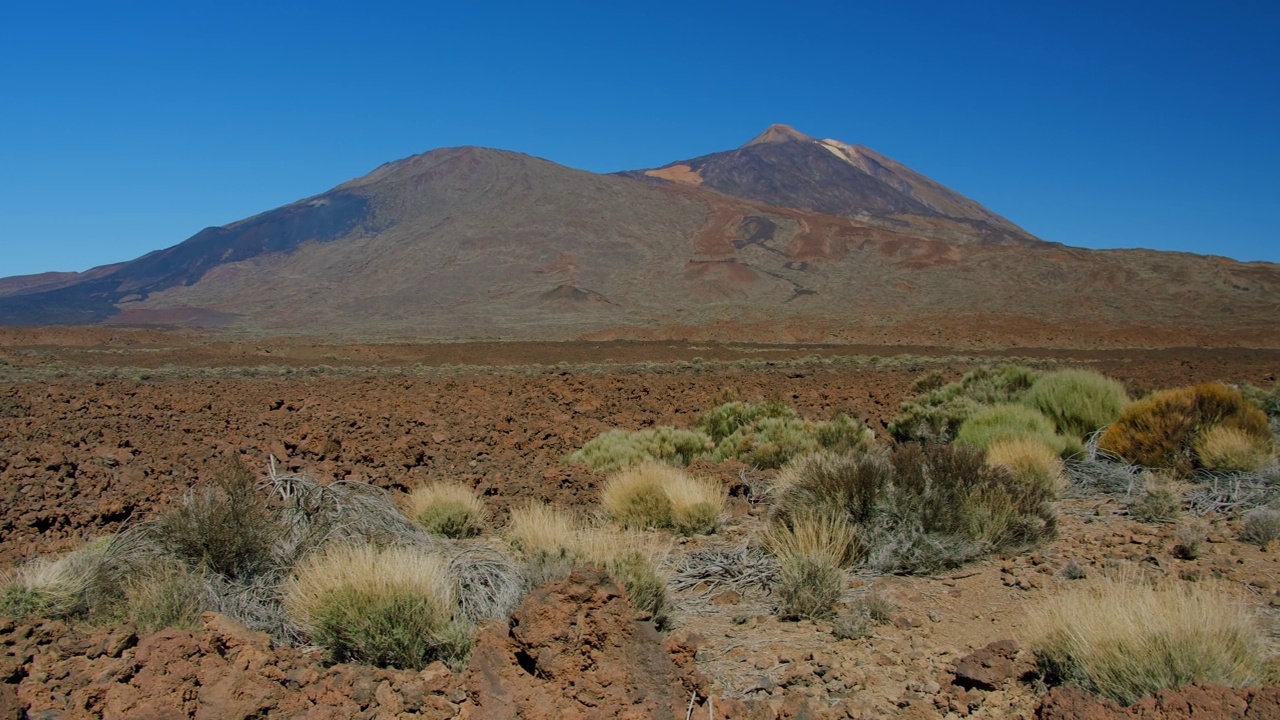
x: 391, y: 607
x: 1079, y: 402
x: 1260, y: 526
x: 618, y: 449
x: 656, y: 496
x: 166, y: 595
x: 1008, y: 422
x: 811, y: 550
x: 448, y: 509
x: 935, y: 413
x: 1124, y: 640
x: 771, y: 442
x: 1161, y: 430
x: 723, y: 420
x: 1231, y: 449
x: 922, y: 508
x: 225, y: 527
x: 1031, y: 461
x: 87, y: 579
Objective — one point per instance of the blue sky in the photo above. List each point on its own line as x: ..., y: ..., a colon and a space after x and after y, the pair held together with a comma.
x: 126, y: 127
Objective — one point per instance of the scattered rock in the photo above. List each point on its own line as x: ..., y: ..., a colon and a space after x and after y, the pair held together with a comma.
x: 988, y: 668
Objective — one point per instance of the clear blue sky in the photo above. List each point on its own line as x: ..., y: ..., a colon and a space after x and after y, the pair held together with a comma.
x: 128, y: 126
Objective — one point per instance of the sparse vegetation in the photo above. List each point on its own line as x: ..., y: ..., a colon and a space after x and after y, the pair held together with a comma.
x: 1163, y: 429
x: 936, y: 413
x: 727, y: 418
x: 1079, y: 402
x: 391, y: 607
x: 448, y: 509
x: 1124, y: 639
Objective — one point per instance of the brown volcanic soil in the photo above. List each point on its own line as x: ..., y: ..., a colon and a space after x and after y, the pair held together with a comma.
x: 82, y: 451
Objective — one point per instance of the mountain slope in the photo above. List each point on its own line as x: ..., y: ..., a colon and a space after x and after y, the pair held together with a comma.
x: 476, y: 243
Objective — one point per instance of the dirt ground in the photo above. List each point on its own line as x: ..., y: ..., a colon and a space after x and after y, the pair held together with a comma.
x: 101, y: 427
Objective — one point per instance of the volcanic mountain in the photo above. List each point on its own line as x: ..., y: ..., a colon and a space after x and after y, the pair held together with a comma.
x: 786, y: 239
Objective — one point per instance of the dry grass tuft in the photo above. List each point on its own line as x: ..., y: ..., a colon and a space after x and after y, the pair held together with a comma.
x: 1031, y: 461
x: 539, y: 528
x: 391, y: 607
x: 1125, y: 639
x: 653, y: 495
x: 448, y: 509
x: 812, y: 550
x: 1231, y: 449
x: 165, y: 595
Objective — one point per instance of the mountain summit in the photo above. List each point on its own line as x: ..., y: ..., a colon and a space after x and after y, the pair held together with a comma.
x: 784, y: 167
x: 785, y: 239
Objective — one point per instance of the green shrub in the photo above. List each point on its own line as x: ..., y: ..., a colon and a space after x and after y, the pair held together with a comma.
x: 225, y: 527
x: 935, y: 413
x: 448, y: 509
x: 988, y: 425
x: 618, y: 449
x: 771, y: 442
x: 1125, y: 639
x: 723, y: 420
x: 1161, y: 430
x: 1079, y: 402
x: 392, y: 607
x: 1031, y: 462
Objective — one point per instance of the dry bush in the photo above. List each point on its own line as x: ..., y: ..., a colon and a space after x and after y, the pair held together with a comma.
x: 1232, y: 450
x: 1260, y: 526
x: 935, y: 413
x: 988, y: 425
x: 224, y: 527
x: 1031, y: 461
x: 1124, y: 639
x: 1160, y: 501
x: 448, y: 509
x: 392, y: 607
x: 1161, y: 430
x: 1079, y: 402
x: 618, y: 449
x: 87, y: 580
x: 833, y: 483
x: 165, y: 595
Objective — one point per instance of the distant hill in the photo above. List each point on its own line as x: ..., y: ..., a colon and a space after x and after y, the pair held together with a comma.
x: 786, y: 239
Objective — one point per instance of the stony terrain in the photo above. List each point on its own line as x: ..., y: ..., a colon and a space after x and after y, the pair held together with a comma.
x: 102, y: 428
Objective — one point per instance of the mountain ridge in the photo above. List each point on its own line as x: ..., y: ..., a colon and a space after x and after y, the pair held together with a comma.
x: 480, y: 243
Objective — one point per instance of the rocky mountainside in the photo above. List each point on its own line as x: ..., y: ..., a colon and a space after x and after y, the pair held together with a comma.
x: 787, y: 239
